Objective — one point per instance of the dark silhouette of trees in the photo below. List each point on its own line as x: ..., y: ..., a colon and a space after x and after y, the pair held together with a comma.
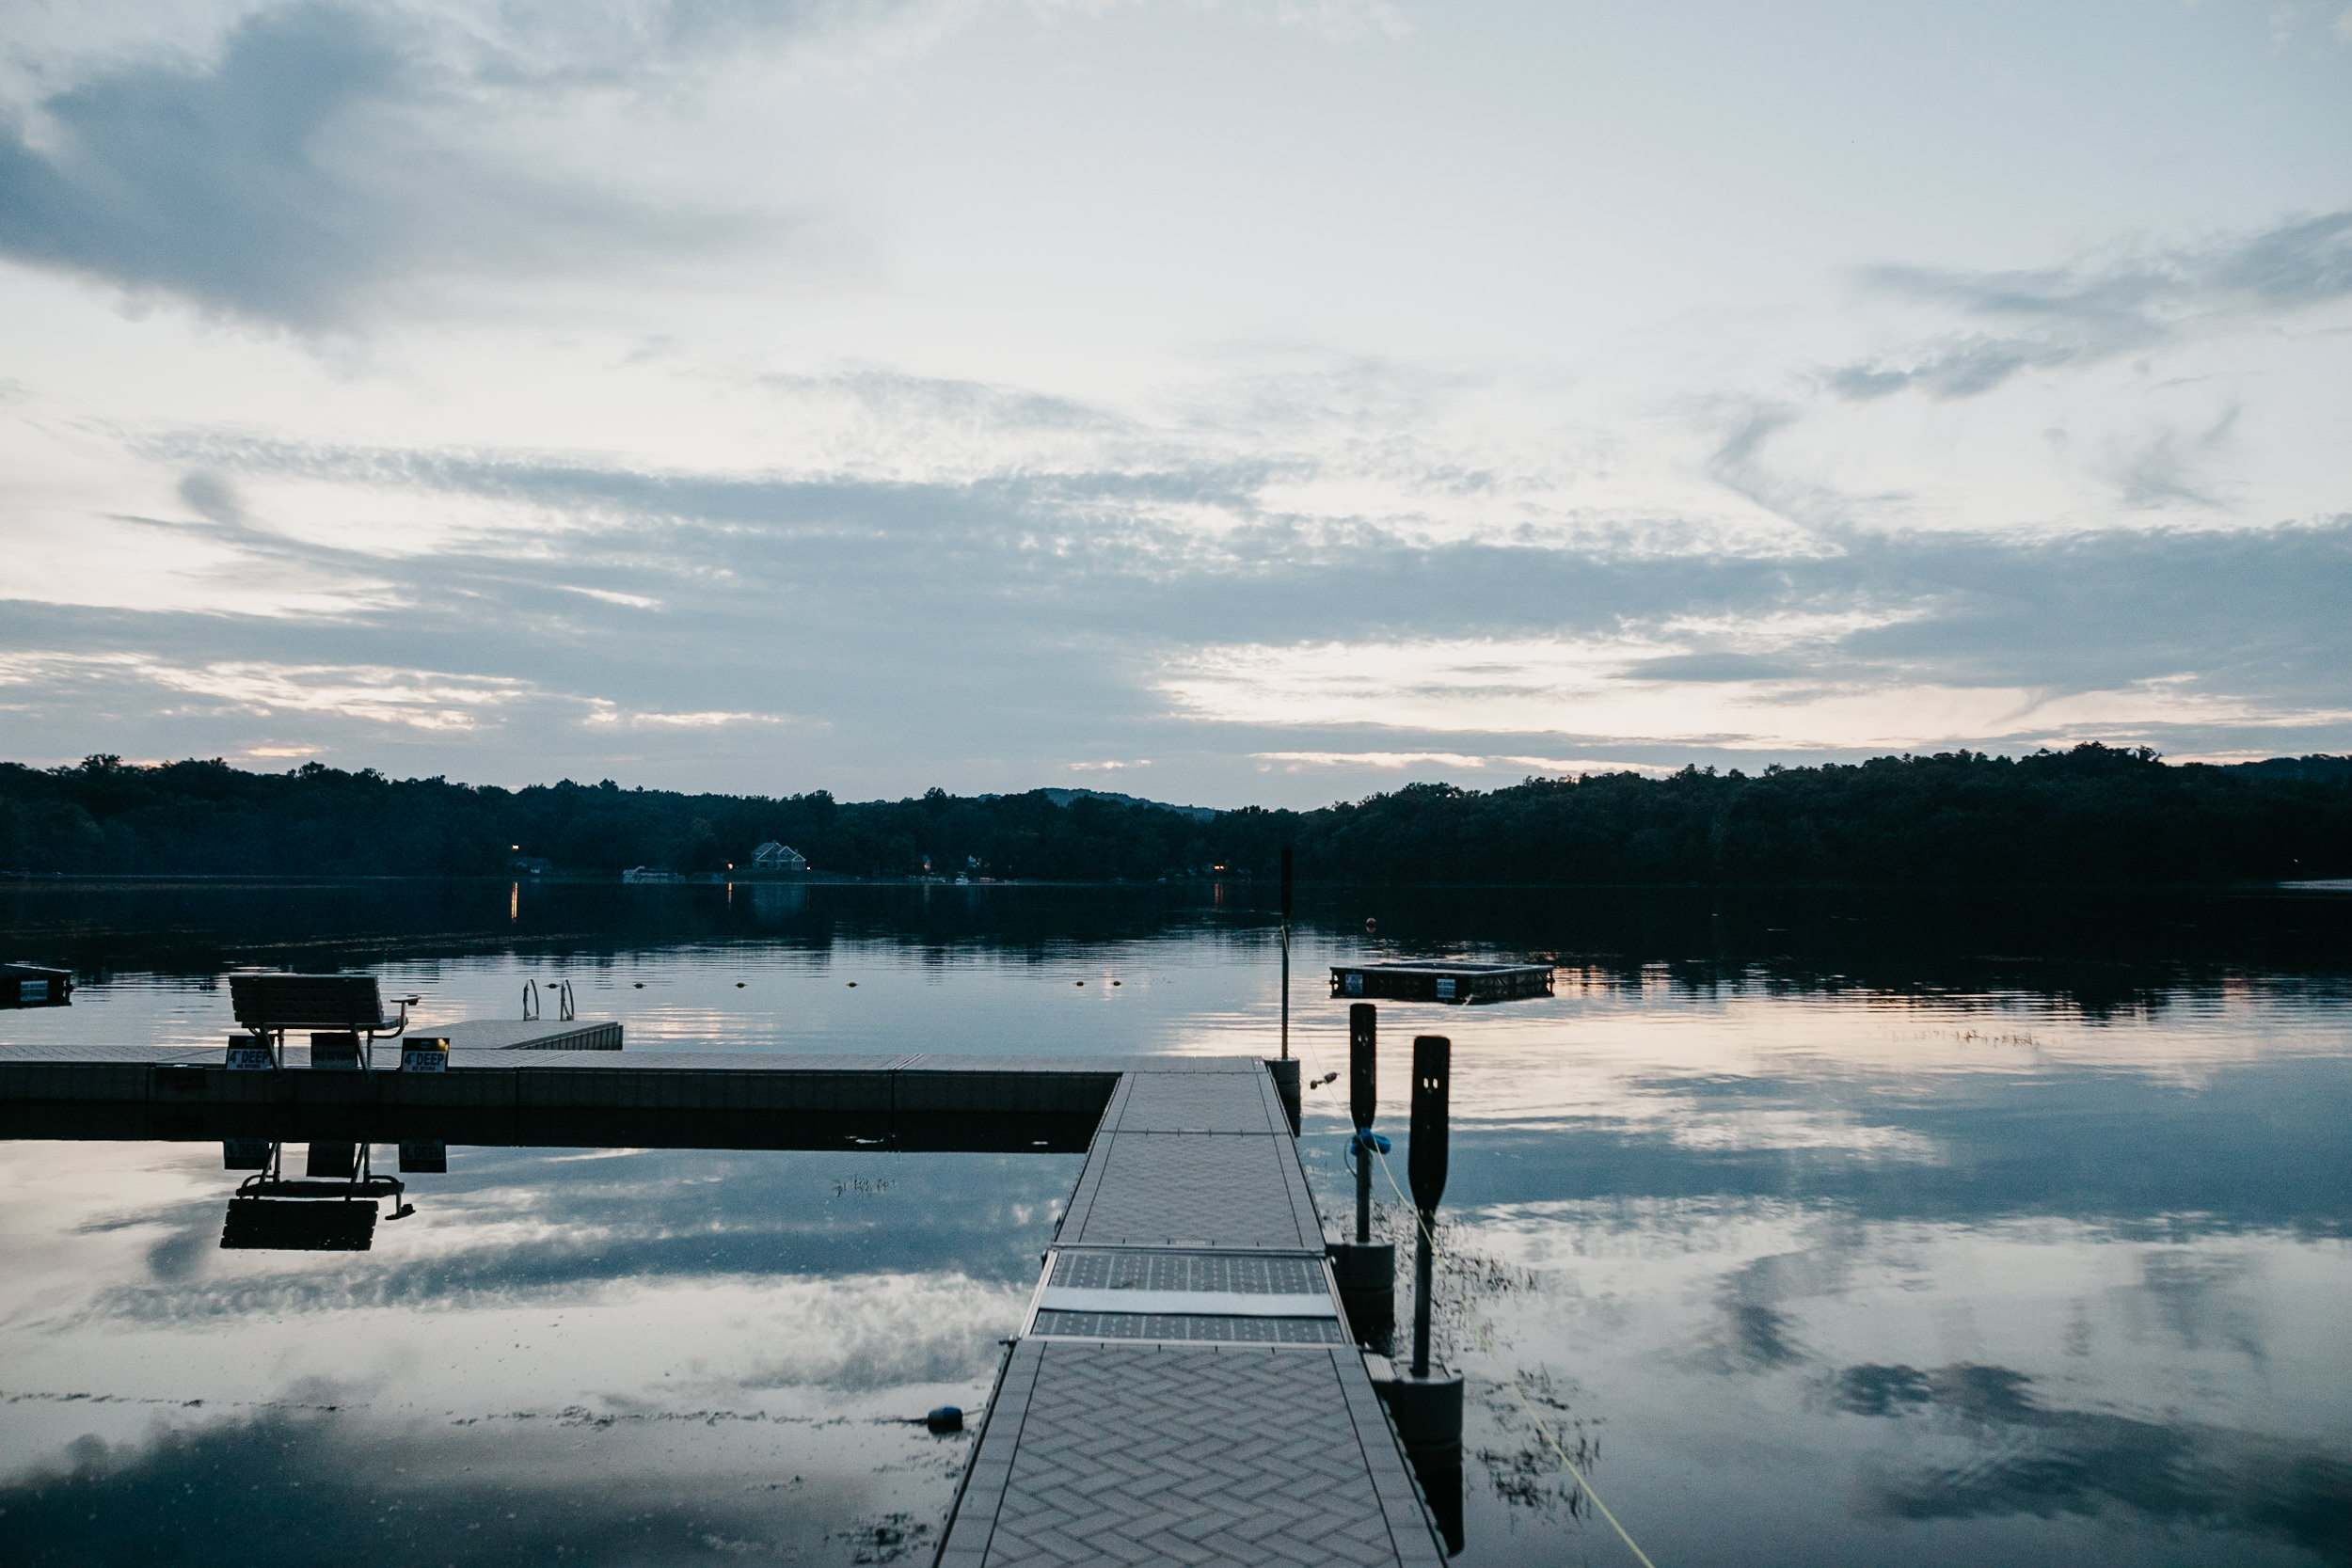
x: 2093, y: 813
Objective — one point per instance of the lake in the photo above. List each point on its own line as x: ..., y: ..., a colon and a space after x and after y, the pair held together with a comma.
x: 1826, y: 1226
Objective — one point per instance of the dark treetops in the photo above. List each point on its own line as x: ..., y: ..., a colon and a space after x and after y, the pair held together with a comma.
x: 2094, y: 813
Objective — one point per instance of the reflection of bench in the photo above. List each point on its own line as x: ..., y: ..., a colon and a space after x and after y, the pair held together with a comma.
x: 344, y: 1005
x: 338, y: 1214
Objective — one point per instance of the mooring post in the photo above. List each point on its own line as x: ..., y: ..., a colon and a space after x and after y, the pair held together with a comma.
x: 1426, y: 1403
x: 1363, y: 1103
x: 1366, y: 1268
x: 1432, y: 1061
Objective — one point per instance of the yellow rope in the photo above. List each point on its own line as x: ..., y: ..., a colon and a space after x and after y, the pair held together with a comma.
x: 1478, y: 1323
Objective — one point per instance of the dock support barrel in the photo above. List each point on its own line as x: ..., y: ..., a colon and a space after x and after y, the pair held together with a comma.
x: 1366, y: 1269
x: 1286, y: 1087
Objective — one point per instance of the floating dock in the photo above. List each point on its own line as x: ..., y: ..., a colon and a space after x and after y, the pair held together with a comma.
x: 35, y: 986
x: 532, y: 1034
x: 1458, y: 983
x: 1183, y: 1388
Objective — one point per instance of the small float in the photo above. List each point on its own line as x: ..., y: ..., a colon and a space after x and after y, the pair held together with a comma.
x: 1440, y: 980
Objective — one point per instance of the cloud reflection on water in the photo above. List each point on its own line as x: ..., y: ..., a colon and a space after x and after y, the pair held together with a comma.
x: 1842, y: 1228
x: 284, y: 1486
x: 2030, y: 1458
x: 518, y: 1367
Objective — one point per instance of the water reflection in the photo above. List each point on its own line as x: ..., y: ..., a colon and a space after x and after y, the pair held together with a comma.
x: 1821, y: 1227
x: 2037, y: 1459
x: 318, y: 1485
x: 625, y: 1354
x: 274, y: 1213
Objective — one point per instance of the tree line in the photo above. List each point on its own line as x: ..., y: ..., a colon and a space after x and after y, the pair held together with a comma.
x: 2092, y: 813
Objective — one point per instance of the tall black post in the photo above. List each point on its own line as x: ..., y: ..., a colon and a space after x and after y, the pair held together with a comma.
x: 1433, y: 1057
x: 1363, y: 1102
x: 1286, y: 952
x: 1366, y: 1268
x: 1426, y: 1402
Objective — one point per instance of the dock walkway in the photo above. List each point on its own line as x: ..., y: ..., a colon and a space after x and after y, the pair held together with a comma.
x: 1183, y: 1390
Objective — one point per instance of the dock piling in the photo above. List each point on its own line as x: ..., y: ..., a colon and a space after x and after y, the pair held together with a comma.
x: 1425, y: 1165
x: 1366, y: 1269
x: 1427, y: 1401
x: 1363, y: 1100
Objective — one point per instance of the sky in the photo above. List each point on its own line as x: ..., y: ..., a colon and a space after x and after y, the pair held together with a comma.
x: 1270, y: 401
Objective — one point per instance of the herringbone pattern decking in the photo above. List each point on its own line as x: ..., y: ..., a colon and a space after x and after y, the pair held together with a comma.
x: 1188, y: 1456
x: 1179, y: 1189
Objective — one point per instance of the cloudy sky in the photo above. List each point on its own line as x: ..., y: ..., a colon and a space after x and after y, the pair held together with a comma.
x: 1257, y: 401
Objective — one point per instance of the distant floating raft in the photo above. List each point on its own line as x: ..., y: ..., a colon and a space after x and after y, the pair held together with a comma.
x: 35, y: 986
x: 1442, y: 982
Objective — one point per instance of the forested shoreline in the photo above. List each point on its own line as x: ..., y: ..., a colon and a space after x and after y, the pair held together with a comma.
x: 2093, y: 813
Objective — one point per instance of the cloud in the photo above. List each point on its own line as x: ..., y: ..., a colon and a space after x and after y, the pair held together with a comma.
x: 1395, y: 761
x: 1955, y: 369
x: 1651, y: 684
x: 311, y: 165
x: 298, y: 179
x: 427, y: 700
x: 608, y: 595
x: 1005, y: 623
x: 604, y: 713
x: 420, y: 699
x: 2100, y: 309
x: 1738, y: 464
x: 2162, y: 468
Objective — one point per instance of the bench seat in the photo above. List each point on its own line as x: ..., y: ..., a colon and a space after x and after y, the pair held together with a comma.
x: 269, y: 1004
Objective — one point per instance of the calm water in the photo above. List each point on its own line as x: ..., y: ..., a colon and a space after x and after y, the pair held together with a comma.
x: 1825, y: 1227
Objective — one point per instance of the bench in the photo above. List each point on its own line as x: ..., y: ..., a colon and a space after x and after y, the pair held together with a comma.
x: 348, y: 1005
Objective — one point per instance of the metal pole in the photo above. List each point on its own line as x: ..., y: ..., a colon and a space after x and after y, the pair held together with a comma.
x: 1286, y: 953
x: 1421, y: 1300
x: 1286, y: 991
x: 1364, y: 1091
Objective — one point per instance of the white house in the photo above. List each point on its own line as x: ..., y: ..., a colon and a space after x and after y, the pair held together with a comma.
x: 773, y: 856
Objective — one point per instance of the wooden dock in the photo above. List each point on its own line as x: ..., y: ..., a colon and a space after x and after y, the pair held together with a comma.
x: 1182, y: 1389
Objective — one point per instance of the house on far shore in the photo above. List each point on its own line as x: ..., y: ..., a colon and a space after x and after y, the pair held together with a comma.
x: 773, y: 856
x: 650, y: 874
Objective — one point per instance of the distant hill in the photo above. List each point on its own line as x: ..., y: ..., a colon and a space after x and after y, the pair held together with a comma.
x: 2320, y: 766
x: 1063, y: 797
